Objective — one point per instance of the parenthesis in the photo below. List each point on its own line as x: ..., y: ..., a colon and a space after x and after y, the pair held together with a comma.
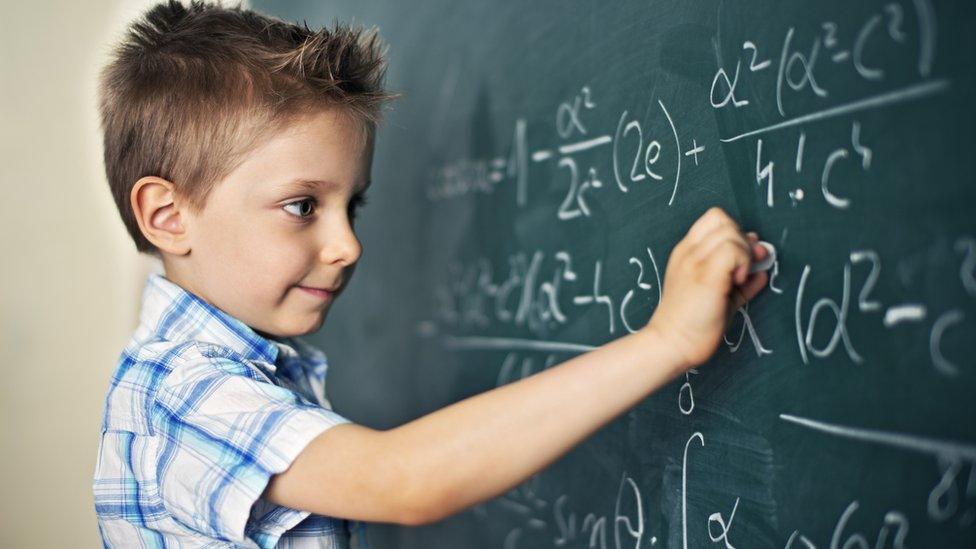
x: 614, y: 161
x: 657, y: 274
x: 677, y: 150
x: 799, y: 310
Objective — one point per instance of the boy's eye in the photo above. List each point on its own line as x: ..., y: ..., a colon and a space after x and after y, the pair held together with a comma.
x: 304, y: 207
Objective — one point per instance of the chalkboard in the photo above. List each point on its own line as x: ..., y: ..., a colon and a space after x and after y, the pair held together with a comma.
x: 528, y: 187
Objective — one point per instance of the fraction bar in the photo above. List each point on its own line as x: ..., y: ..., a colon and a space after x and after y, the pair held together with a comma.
x: 583, y: 145
x: 915, y: 91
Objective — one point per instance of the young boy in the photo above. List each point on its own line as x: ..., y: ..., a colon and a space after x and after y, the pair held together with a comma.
x: 237, y: 148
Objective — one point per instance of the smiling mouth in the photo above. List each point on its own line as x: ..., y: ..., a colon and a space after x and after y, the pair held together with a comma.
x: 320, y: 293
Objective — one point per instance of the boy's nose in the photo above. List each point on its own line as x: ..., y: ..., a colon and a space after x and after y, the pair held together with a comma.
x: 340, y: 245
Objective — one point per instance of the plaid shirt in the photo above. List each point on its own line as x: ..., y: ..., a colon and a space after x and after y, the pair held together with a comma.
x: 201, y: 411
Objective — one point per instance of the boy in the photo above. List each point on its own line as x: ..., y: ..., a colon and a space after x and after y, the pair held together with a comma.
x: 238, y: 148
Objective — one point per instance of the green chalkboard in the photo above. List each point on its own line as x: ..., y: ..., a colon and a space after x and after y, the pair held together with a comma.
x: 528, y: 187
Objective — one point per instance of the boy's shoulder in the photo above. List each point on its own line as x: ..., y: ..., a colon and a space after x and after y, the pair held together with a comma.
x: 201, y: 411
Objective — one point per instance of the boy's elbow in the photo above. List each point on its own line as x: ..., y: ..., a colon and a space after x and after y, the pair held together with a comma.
x: 420, y: 502
x: 415, y: 517
x: 422, y: 498
x: 424, y: 513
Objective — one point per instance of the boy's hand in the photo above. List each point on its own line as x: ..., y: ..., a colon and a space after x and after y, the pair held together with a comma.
x: 705, y: 282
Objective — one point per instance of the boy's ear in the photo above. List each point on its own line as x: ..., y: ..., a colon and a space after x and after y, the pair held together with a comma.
x: 159, y: 216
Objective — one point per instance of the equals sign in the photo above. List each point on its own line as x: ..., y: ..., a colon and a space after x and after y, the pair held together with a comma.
x: 909, y: 312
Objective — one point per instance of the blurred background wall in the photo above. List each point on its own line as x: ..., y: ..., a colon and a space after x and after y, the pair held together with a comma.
x: 71, y: 279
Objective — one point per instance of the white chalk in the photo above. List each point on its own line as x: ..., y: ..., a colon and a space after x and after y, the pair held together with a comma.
x: 765, y: 264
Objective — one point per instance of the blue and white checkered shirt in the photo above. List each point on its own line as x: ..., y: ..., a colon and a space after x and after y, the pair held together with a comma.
x: 200, y: 413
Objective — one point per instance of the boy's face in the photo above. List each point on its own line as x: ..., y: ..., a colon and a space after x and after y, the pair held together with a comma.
x: 263, y: 236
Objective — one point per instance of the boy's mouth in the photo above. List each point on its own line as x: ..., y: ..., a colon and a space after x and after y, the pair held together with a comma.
x: 320, y: 293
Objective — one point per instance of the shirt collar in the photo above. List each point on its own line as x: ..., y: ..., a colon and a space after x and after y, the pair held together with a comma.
x: 176, y: 314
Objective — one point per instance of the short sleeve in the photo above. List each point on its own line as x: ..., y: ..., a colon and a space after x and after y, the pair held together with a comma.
x: 223, y: 430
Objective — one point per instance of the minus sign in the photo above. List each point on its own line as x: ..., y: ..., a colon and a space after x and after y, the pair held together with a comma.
x: 539, y: 156
x: 903, y: 313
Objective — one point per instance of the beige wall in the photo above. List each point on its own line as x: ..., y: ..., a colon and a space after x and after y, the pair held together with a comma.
x: 70, y: 276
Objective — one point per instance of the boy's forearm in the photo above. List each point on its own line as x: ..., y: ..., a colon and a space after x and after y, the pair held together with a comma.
x: 483, y: 446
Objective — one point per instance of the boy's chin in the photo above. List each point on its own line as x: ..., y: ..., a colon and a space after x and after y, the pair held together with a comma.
x: 295, y: 327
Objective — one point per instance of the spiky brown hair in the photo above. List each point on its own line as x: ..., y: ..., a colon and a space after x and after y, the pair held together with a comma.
x: 191, y: 89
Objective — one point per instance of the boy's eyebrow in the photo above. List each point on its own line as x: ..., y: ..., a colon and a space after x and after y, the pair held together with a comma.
x: 313, y: 185
x: 306, y: 184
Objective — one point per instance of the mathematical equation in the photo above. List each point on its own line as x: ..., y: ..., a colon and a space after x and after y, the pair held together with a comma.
x: 541, y: 292
x: 653, y: 150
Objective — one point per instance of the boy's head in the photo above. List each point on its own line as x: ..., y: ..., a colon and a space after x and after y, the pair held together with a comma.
x: 237, y: 147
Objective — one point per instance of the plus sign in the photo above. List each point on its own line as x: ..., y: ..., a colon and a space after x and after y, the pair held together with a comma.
x: 695, y: 150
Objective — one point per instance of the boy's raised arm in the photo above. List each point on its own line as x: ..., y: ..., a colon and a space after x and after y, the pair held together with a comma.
x: 483, y: 446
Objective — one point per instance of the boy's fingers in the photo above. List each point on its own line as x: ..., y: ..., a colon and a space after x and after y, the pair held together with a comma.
x: 759, y: 252
x: 727, y: 258
x: 737, y: 299
x: 704, y: 252
x: 754, y: 284
x: 742, y: 294
x: 711, y: 219
x: 716, y: 237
